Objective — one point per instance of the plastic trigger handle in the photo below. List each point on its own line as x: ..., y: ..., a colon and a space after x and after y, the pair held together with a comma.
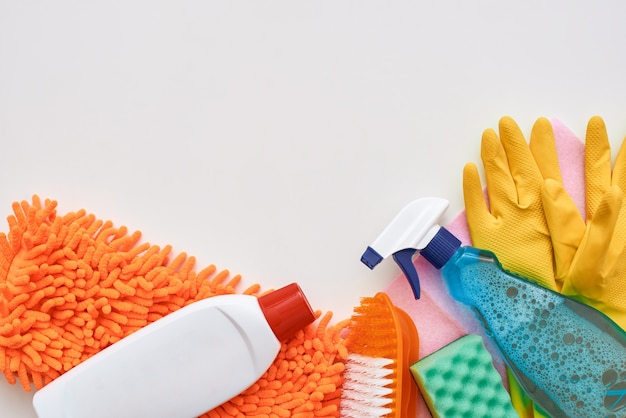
x: 404, y: 258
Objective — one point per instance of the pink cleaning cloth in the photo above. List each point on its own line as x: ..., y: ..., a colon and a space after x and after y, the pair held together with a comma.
x: 438, y: 318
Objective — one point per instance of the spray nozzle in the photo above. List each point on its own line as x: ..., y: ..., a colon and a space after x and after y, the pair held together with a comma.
x: 414, y: 229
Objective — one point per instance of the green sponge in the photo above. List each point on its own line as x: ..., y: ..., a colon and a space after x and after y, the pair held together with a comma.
x: 459, y: 380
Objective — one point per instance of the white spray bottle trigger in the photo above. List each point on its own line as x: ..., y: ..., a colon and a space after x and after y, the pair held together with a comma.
x: 409, y: 232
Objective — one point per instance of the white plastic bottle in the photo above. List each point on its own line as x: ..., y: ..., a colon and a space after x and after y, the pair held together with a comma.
x: 182, y: 365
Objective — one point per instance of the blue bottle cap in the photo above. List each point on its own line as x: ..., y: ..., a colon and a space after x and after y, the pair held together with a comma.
x: 441, y: 248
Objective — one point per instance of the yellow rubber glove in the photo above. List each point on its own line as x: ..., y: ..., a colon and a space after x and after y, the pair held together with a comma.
x: 590, y: 256
x: 512, y: 223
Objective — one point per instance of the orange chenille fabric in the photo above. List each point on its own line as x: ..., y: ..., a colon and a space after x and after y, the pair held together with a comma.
x: 71, y: 285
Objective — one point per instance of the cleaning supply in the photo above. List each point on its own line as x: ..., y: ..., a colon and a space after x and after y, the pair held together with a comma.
x: 569, y: 357
x: 72, y: 284
x: 514, y: 172
x: 459, y: 380
x: 590, y: 253
x: 382, y: 342
x: 183, y: 364
x: 400, y: 240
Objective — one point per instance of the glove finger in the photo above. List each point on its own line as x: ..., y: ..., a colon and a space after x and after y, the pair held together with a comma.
x: 614, y: 303
x: 597, y: 164
x: 619, y: 179
x: 543, y: 148
x: 476, y: 208
x: 619, y: 167
x: 565, y: 224
x: 599, y: 249
x: 601, y: 228
x: 523, y: 167
x: 501, y: 189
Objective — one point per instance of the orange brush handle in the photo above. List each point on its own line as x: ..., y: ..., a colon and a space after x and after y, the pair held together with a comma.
x: 407, y: 392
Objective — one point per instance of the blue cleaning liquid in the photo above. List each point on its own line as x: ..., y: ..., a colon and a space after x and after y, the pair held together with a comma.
x: 568, y: 356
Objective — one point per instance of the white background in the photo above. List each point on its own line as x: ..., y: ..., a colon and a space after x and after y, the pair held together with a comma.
x: 278, y: 138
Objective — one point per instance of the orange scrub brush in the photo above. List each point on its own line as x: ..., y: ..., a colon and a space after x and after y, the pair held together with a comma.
x: 382, y: 343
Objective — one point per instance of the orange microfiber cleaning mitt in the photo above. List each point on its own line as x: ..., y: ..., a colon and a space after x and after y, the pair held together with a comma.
x: 71, y: 285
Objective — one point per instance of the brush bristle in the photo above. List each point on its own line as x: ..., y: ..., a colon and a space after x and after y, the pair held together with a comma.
x: 371, y: 377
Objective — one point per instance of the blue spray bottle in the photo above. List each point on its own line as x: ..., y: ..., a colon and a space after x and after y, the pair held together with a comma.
x: 569, y: 357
